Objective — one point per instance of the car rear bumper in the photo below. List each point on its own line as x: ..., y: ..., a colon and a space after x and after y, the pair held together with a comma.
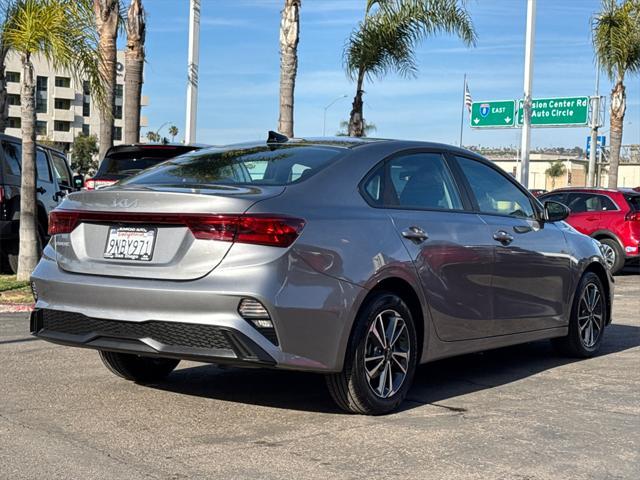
x: 312, y: 314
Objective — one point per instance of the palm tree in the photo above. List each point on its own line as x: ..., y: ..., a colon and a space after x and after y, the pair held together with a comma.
x: 616, y: 40
x: 4, y: 104
x: 289, y: 36
x: 173, y: 131
x: 367, y: 128
x: 133, y: 68
x: 59, y: 31
x: 386, y: 38
x: 556, y: 170
x: 153, y: 137
x: 107, y: 17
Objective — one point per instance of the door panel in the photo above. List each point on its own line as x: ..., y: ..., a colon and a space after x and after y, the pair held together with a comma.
x: 531, y: 275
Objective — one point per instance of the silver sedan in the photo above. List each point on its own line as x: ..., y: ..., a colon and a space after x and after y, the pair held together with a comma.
x: 359, y: 259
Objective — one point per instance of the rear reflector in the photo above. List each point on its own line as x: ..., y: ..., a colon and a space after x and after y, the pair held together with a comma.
x: 270, y: 230
x: 632, y: 215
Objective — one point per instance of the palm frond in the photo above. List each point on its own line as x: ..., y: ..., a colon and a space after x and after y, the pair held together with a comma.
x: 386, y: 39
x: 616, y: 37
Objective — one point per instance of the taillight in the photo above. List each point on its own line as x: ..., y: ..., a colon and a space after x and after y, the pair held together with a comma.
x: 632, y: 215
x: 270, y: 230
x: 62, y: 221
x: 1, y: 194
x: 93, y: 184
x: 90, y: 184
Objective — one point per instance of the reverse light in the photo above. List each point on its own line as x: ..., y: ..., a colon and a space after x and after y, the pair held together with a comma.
x: 270, y: 230
x: 253, y: 311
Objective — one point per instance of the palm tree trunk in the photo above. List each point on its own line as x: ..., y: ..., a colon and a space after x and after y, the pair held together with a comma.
x: 134, y: 65
x: 356, y: 119
x: 107, y: 12
x: 618, y: 107
x: 289, y: 37
x: 28, y: 252
x: 4, y: 104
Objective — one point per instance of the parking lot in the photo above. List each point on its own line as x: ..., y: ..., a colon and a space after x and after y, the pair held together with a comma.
x: 516, y: 413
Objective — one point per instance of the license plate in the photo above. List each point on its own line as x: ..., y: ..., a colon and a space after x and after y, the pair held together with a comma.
x: 130, y: 243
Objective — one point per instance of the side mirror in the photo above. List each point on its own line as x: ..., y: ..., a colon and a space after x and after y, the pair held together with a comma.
x: 78, y: 181
x: 555, y: 211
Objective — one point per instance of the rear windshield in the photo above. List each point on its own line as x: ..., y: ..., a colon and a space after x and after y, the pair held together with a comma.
x: 634, y: 202
x: 262, y: 165
x: 130, y: 162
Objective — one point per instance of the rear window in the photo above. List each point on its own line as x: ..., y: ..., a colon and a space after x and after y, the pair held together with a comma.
x: 634, y: 202
x: 262, y: 165
x: 130, y: 162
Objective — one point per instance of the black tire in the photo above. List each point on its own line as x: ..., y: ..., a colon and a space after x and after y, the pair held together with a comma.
x: 12, y: 255
x: 136, y: 368
x: 618, y: 264
x: 574, y: 344
x: 351, y: 389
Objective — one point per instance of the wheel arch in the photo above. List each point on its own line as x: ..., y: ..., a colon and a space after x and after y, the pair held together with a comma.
x: 602, y: 273
x: 602, y: 234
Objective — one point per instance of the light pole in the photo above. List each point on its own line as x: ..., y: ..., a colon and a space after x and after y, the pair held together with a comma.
x: 161, y: 127
x: 324, y: 118
x: 595, y: 124
x: 192, y: 72
x: 528, y: 84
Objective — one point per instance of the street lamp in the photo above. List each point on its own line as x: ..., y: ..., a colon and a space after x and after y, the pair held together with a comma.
x: 324, y: 119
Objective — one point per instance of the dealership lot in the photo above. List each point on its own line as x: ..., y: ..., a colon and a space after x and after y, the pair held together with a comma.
x: 521, y: 412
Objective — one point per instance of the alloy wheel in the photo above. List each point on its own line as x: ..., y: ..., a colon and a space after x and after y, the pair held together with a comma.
x: 590, y: 315
x: 609, y: 255
x: 386, y: 355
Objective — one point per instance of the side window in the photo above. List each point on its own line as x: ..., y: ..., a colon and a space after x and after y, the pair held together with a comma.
x: 556, y: 197
x: 60, y: 170
x: 589, y: 202
x: 12, y: 157
x: 419, y: 180
x: 42, y: 166
x: 606, y: 204
x: 495, y: 193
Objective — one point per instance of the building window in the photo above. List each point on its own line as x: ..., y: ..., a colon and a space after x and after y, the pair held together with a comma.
x: 85, y: 129
x: 13, y: 99
x: 60, y: 126
x: 117, y: 112
x: 86, y: 99
x: 117, y: 133
x: 62, y: 104
x: 41, y: 127
x: 64, y: 82
x: 41, y: 94
x: 14, y: 122
x: 13, y: 77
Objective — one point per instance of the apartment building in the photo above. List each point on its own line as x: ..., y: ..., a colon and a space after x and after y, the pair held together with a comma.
x: 64, y: 107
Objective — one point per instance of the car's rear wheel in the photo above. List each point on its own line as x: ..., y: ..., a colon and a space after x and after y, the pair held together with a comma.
x: 137, y: 368
x: 613, y: 255
x: 588, y: 319
x: 12, y: 253
x: 381, y: 358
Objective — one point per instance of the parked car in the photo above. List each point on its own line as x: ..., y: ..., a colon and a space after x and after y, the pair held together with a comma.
x: 54, y: 180
x: 356, y: 258
x: 536, y: 192
x: 610, y: 216
x: 123, y: 161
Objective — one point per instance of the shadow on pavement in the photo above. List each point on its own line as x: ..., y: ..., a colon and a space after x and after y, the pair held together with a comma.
x: 434, y: 382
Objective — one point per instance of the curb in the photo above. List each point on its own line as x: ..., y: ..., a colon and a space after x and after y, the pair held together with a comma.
x: 15, y: 307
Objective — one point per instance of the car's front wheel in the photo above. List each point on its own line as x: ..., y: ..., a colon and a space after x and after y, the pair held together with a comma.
x: 381, y: 358
x: 588, y: 319
x: 137, y: 368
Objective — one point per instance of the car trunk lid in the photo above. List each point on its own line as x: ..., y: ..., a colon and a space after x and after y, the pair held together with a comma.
x: 166, y: 220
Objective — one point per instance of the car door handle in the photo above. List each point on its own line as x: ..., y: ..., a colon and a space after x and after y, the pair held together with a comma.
x: 41, y: 190
x: 503, y: 237
x: 415, y: 234
x: 592, y: 219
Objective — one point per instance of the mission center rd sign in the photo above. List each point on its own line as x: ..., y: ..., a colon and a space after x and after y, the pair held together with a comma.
x: 545, y: 112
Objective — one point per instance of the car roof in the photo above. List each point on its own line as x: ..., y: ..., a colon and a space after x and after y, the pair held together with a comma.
x: 4, y: 136
x: 585, y: 189
x: 136, y: 147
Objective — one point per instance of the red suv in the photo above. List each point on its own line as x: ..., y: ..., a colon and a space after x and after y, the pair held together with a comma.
x: 610, y: 216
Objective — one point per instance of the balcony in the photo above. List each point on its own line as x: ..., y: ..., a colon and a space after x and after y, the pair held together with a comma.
x: 15, y: 111
x: 144, y: 101
x: 63, y: 92
x: 144, y: 121
x: 64, y: 115
x: 13, y: 87
x: 63, y: 137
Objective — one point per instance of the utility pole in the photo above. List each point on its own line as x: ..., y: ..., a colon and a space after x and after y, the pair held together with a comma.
x: 192, y: 73
x: 595, y: 123
x: 528, y: 81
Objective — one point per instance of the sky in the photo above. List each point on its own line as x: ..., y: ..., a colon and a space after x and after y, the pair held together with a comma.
x: 239, y: 71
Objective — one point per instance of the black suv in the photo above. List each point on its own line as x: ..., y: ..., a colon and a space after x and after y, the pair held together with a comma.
x: 124, y: 161
x: 54, y: 181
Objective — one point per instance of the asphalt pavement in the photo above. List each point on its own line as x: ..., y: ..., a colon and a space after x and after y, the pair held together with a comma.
x: 515, y: 413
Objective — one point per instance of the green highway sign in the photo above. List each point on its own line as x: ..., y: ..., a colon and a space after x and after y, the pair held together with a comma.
x: 556, y: 112
x: 493, y: 114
